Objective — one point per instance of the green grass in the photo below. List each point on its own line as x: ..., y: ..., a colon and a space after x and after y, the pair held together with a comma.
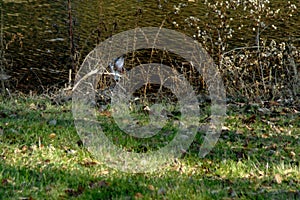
x: 42, y: 157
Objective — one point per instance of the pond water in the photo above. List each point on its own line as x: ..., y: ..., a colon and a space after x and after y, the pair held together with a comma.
x: 42, y: 58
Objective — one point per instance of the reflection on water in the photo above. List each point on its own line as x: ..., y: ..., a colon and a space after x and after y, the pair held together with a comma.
x: 44, y: 55
x: 43, y: 47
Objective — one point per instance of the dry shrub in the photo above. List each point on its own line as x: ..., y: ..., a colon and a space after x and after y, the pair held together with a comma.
x: 264, y: 73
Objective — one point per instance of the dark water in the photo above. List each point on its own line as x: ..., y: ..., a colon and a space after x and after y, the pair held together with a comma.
x: 43, y: 58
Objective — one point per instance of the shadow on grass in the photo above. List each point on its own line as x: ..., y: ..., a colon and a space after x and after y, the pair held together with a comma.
x: 243, y: 164
x: 54, y: 183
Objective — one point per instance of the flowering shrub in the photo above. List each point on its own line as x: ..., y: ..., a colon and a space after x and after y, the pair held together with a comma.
x: 239, y: 36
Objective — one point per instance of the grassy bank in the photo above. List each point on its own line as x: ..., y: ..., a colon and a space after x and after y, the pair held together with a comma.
x: 42, y: 157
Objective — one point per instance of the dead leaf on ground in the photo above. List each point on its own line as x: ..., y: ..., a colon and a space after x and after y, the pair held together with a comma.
x: 274, y: 119
x: 89, y: 163
x: 292, y: 154
x: 250, y: 119
x: 225, y: 129
x: 52, y: 135
x: 274, y: 103
x: 138, y: 195
x: 75, y: 192
x: 278, y: 178
x: 151, y: 187
x: 265, y: 135
x: 105, y: 113
x: 26, y: 198
x: 24, y: 148
x: 32, y: 106
x: 249, y: 128
x: 263, y: 110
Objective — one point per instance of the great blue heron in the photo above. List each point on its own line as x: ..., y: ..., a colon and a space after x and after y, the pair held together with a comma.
x: 117, y: 67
